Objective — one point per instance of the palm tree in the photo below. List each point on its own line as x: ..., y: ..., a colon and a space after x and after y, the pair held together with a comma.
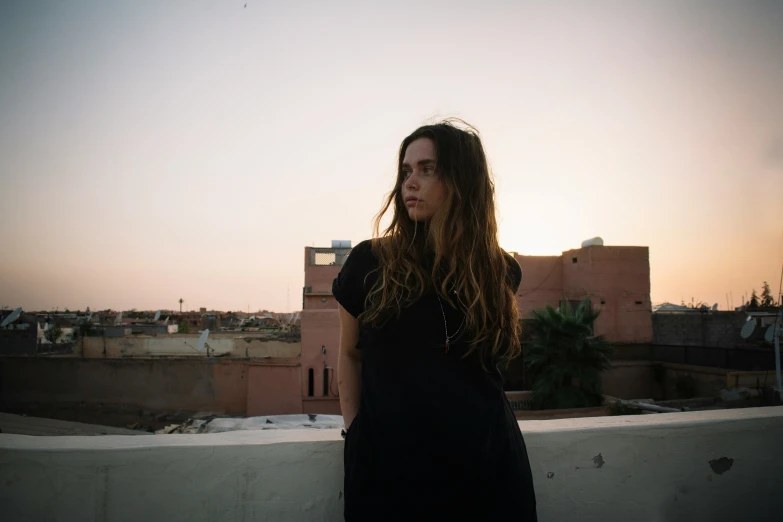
x: 180, y: 305
x: 565, y: 358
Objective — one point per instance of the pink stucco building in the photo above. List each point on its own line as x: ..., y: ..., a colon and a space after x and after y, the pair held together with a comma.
x: 616, y: 279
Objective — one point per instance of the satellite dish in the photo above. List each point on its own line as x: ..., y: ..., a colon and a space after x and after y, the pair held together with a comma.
x: 714, y: 307
x: 202, y: 341
x: 157, y: 316
x: 167, y: 320
x: 769, y: 335
x: 13, y: 316
x: 748, y: 318
x: 89, y: 317
x: 118, y: 320
x: 747, y: 330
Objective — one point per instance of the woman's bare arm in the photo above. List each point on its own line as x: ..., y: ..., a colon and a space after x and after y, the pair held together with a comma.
x: 349, y: 367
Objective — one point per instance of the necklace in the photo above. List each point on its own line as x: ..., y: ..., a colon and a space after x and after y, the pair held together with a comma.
x: 449, y: 338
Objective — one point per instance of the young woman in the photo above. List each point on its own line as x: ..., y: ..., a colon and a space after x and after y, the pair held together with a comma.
x: 427, y: 316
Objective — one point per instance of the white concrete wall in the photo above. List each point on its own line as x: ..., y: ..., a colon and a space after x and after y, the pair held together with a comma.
x: 669, y: 467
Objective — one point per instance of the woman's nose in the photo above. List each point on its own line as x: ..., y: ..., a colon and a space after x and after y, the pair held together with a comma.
x: 411, y: 182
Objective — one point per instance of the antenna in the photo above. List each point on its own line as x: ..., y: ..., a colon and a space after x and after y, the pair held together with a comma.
x: 157, y: 316
x: 13, y: 316
x: 776, y: 335
x: 747, y: 329
x: 118, y: 320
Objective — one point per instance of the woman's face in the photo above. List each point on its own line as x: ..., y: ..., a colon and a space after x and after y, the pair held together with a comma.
x: 423, y: 191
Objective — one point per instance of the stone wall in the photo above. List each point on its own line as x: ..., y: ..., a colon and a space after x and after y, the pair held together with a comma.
x: 709, y: 329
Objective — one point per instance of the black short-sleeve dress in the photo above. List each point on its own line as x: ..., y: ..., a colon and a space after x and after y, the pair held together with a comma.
x: 435, y: 437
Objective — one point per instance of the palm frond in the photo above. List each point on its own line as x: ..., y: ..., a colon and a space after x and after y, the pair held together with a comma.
x: 562, y: 349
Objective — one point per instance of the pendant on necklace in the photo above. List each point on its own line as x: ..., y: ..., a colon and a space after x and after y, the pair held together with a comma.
x: 447, y: 346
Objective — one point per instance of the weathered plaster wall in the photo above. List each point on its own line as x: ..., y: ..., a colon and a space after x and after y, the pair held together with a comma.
x: 320, y: 302
x: 274, y: 390
x: 320, y: 298
x: 321, y: 328
x: 117, y: 347
x: 255, y: 347
x: 189, y: 385
x: 682, y: 381
x: 662, y: 380
x: 319, y: 278
x: 617, y: 280
x: 181, y: 345
x: 631, y: 380
x: 719, y: 465
x: 326, y: 406
x: 542, y: 282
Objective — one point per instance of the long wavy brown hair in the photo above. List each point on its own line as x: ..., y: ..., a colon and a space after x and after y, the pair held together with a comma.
x: 456, y: 249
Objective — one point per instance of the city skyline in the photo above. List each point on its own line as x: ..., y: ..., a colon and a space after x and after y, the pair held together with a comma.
x: 193, y: 150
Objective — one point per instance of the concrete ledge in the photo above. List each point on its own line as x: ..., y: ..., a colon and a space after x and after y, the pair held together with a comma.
x: 722, y: 465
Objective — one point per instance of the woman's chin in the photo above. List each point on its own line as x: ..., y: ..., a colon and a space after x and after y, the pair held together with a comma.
x: 417, y: 216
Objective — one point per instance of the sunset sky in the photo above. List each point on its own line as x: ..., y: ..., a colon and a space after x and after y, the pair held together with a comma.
x: 156, y: 150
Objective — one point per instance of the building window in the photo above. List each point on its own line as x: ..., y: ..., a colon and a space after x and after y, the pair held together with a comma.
x: 328, y: 256
x: 310, y: 382
x: 326, y: 382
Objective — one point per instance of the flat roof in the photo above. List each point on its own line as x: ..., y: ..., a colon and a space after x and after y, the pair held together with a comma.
x: 24, y: 425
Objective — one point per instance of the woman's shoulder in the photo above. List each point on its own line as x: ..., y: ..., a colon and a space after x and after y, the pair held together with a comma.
x: 510, y: 260
x: 363, y: 253
x: 514, y: 271
x: 351, y: 285
x: 363, y: 246
x: 362, y: 259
